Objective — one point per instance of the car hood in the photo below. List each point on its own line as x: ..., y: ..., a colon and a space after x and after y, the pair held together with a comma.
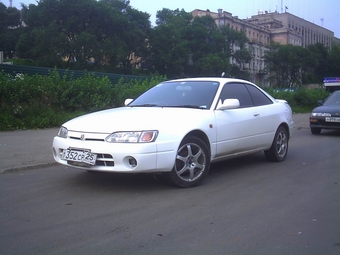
x: 333, y: 109
x: 134, y: 119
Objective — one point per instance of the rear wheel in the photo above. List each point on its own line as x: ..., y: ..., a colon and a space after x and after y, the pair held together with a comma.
x: 192, y: 163
x: 315, y: 131
x: 279, y: 149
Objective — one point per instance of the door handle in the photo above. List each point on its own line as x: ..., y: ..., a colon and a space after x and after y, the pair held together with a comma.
x: 256, y: 114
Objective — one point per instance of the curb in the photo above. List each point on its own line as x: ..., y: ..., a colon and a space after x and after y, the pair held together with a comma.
x: 28, y: 167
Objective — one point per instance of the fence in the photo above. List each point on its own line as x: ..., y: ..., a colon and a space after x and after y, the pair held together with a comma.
x: 32, y: 70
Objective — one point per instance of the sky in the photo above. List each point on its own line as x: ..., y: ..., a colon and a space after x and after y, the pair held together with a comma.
x: 325, y: 13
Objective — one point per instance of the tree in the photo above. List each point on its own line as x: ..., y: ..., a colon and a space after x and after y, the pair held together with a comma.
x: 317, y: 62
x: 169, y: 49
x: 107, y: 35
x: 207, y: 44
x: 181, y: 46
x: 10, y: 30
x: 136, y: 35
x: 177, y: 17
x: 285, y: 64
x: 334, y: 61
x: 235, y: 45
x: 9, y: 17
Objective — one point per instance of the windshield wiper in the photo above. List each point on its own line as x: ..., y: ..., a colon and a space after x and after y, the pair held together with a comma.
x: 188, y: 106
x: 177, y: 106
x: 144, y: 105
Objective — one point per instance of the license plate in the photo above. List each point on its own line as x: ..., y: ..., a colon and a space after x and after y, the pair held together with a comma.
x: 332, y: 119
x: 79, y: 156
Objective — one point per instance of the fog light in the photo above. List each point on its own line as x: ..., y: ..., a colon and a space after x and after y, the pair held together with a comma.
x: 132, y: 162
x: 313, y: 120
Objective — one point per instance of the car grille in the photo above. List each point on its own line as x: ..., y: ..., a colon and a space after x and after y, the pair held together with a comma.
x: 83, y: 136
x: 87, y: 139
x: 102, y: 160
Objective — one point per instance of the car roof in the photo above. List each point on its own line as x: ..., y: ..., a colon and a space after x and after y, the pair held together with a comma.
x: 216, y: 79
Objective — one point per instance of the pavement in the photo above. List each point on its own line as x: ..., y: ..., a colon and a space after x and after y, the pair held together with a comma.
x: 28, y: 149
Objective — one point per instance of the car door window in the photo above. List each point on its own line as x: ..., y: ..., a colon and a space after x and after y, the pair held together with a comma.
x: 258, y: 97
x: 237, y: 91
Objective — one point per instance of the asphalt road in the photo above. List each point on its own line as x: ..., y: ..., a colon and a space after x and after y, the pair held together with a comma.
x: 245, y: 206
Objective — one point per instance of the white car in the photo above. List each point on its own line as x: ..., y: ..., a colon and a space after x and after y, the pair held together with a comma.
x: 178, y: 128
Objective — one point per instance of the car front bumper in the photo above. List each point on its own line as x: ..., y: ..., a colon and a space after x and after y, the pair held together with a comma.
x: 320, y: 122
x: 119, y: 157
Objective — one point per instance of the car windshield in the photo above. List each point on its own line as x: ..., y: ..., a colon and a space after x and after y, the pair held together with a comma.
x: 333, y: 99
x: 186, y: 94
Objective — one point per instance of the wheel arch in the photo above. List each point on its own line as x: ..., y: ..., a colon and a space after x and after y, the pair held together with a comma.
x: 285, y: 125
x: 201, y: 135
x: 194, y: 160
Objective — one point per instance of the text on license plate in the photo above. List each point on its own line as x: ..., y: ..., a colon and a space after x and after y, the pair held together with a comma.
x: 79, y: 156
x: 332, y: 119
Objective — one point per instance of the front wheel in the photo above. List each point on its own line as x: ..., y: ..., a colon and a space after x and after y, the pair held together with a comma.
x: 315, y: 131
x: 279, y: 149
x: 192, y: 163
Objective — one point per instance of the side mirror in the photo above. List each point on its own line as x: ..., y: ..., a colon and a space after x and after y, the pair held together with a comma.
x: 127, y: 101
x: 231, y: 103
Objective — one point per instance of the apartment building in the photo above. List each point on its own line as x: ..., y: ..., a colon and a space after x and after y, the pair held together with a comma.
x: 298, y: 31
x: 267, y: 27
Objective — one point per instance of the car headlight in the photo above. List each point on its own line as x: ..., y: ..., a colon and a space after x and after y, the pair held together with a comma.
x: 321, y: 114
x: 63, y: 132
x: 133, y: 137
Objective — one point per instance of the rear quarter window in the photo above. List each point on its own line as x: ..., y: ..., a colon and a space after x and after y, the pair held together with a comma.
x: 257, y: 96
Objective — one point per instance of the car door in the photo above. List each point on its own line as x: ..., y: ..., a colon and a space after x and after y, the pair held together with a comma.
x: 267, y: 117
x: 238, y: 129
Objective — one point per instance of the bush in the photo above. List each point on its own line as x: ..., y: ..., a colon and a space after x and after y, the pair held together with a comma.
x: 133, y: 88
x: 301, y: 100
x: 29, y: 102
x: 87, y: 94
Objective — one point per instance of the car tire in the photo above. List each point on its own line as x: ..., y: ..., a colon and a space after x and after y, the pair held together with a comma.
x: 191, y: 165
x: 279, y: 149
x: 315, y: 131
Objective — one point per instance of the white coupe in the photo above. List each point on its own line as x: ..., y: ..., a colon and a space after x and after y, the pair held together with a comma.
x: 178, y: 128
